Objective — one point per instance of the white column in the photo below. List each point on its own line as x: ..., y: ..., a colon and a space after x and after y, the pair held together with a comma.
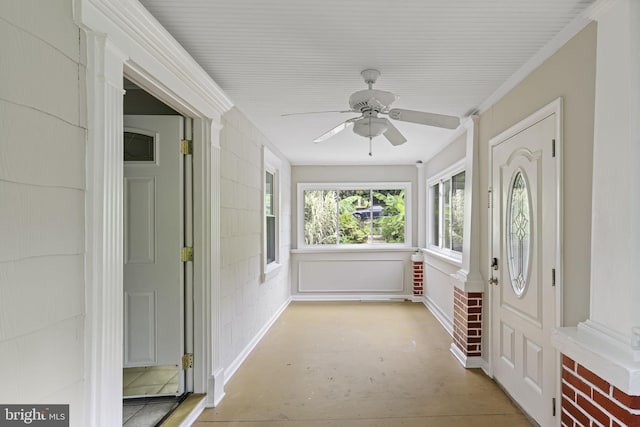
x: 468, y: 278
x: 609, y: 341
x: 422, y: 206
x: 104, y: 232
x: 215, y: 391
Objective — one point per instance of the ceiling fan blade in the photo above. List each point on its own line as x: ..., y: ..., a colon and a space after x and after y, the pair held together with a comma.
x: 393, y: 135
x: 317, y: 112
x: 420, y: 117
x: 342, y: 126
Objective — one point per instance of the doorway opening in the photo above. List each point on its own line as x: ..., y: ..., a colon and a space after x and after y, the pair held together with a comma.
x: 158, y: 232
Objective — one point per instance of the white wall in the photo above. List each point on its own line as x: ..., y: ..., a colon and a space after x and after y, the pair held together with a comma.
x: 247, y: 304
x: 42, y: 182
x: 334, y: 283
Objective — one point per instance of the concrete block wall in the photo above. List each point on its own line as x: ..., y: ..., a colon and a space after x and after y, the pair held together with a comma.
x: 247, y: 303
x: 42, y: 197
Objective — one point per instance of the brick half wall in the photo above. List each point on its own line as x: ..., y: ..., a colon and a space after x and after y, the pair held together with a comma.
x: 467, y: 322
x: 588, y: 400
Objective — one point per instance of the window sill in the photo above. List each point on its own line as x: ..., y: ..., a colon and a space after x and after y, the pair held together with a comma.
x: 453, y: 260
x: 350, y: 249
x: 271, y: 271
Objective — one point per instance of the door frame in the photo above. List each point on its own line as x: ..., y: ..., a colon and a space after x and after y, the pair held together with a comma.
x: 120, y: 38
x: 554, y: 107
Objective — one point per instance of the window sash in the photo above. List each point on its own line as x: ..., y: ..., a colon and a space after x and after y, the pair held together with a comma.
x: 446, y: 197
x: 355, y: 215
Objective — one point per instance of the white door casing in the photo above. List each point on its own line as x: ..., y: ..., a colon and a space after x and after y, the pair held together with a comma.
x: 153, y: 237
x: 524, y: 240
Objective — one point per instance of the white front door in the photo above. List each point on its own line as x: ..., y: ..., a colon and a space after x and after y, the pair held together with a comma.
x: 154, y: 236
x: 524, y: 237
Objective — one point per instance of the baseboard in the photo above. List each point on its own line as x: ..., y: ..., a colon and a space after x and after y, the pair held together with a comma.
x: 467, y: 362
x: 238, y: 361
x: 352, y: 297
x: 446, y: 323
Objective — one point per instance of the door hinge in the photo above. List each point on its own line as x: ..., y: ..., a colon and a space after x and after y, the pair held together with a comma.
x: 186, y: 254
x: 489, y: 199
x: 553, y: 148
x: 553, y: 277
x: 186, y: 146
x: 187, y: 361
x: 553, y: 406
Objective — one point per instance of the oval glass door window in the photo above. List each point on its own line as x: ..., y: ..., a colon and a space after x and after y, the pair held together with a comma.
x: 518, y: 233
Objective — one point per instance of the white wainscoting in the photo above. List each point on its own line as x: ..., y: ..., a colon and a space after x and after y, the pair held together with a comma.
x: 439, y: 289
x: 352, y: 272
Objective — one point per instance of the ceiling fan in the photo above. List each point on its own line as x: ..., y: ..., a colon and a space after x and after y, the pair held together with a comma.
x: 371, y: 104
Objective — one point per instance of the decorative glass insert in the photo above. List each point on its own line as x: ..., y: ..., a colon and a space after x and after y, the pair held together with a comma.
x: 518, y: 233
x: 138, y: 147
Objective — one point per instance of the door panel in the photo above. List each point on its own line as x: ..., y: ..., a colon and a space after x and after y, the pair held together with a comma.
x: 524, y: 240
x: 154, y: 235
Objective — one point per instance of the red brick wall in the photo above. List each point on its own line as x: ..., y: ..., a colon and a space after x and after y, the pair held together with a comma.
x: 467, y: 322
x: 418, y: 278
x: 588, y: 400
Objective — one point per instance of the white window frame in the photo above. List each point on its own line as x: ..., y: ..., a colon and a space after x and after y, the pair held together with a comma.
x: 271, y: 164
x: 403, y: 185
x: 440, y: 178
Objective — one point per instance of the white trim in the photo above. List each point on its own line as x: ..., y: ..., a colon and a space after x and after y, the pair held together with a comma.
x: 446, y: 323
x: 122, y: 37
x: 466, y: 361
x: 362, y: 297
x: 389, y: 185
x: 598, y: 349
x: 239, y: 360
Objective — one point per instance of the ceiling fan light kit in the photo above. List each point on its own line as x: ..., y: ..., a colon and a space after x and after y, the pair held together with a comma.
x: 371, y: 103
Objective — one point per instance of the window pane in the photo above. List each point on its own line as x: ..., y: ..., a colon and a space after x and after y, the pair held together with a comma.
x: 355, y: 216
x: 388, y: 216
x: 457, y: 211
x: 268, y: 194
x: 320, y: 217
x: 271, y: 239
x: 435, y: 220
x: 138, y: 147
x: 446, y: 196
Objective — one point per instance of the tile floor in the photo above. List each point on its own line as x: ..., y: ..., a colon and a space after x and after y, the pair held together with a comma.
x: 148, y: 381
x: 148, y: 411
x: 359, y: 364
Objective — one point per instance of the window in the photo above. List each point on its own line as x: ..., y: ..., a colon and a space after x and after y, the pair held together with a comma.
x: 353, y: 214
x: 270, y: 217
x: 271, y: 214
x: 446, y: 197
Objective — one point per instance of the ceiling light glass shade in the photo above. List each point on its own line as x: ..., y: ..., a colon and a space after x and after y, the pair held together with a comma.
x: 370, y: 127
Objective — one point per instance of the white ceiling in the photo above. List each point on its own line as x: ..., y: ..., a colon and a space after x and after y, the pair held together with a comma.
x: 443, y: 56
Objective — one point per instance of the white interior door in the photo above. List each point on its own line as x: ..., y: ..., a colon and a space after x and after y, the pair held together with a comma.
x: 524, y: 222
x: 154, y: 236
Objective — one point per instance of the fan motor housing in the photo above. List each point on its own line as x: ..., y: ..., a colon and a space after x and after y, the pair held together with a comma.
x: 378, y: 100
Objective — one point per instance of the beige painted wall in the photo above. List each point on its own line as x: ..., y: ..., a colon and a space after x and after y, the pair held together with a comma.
x: 569, y: 73
x: 42, y: 197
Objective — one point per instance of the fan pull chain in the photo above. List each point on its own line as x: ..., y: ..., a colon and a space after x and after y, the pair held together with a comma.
x: 370, y: 155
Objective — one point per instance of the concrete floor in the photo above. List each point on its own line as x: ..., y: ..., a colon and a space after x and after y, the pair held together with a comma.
x: 359, y: 364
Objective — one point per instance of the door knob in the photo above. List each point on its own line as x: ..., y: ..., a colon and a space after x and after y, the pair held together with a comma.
x: 493, y: 281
